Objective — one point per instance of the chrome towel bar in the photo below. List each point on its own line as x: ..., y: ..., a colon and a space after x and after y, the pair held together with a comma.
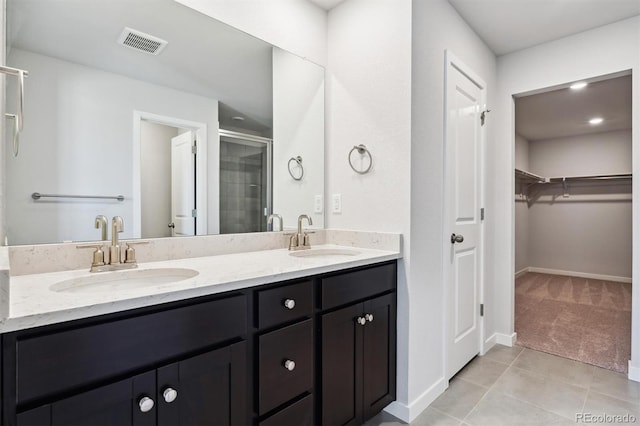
x: 37, y: 196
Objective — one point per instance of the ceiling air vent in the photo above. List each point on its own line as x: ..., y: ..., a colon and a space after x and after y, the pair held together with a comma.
x: 142, y: 42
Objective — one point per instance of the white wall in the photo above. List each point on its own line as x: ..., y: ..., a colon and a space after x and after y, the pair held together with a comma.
x: 589, y: 231
x: 522, y: 153
x: 298, y: 26
x: 3, y: 128
x: 598, y: 153
x: 84, y: 113
x: 298, y: 130
x: 435, y: 27
x: 604, y: 50
x: 155, y: 178
x: 369, y: 102
x: 521, y: 209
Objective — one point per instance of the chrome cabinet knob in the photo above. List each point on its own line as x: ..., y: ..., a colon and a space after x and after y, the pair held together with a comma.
x: 361, y: 321
x: 369, y: 317
x: 171, y: 225
x: 289, y: 365
x: 169, y: 395
x: 290, y: 303
x: 456, y: 238
x: 146, y: 404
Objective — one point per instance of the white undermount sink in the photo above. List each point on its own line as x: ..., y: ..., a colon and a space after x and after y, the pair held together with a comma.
x: 325, y: 252
x: 103, y: 282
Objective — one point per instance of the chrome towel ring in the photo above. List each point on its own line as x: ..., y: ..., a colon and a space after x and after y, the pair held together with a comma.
x: 297, y: 160
x: 362, y: 150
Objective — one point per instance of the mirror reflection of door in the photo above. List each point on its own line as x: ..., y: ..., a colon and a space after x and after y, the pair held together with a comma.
x: 245, y: 182
x: 165, y: 198
x: 183, y: 185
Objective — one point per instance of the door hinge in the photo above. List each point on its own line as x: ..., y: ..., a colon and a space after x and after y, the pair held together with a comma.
x: 482, y: 213
x: 194, y: 213
x: 482, y: 309
x: 194, y: 149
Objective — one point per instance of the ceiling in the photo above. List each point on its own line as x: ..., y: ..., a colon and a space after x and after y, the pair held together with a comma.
x: 566, y: 112
x: 204, y: 56
x: 326, y: 4
x: 510, y: 25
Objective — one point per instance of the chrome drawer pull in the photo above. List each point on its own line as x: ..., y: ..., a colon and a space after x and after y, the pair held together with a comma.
x: 169, y: 395
x: 290, y: 303
x: 289, y: 365
x: 146, y: 404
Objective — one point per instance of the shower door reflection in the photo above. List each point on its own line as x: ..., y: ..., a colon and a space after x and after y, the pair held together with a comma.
x: 245, y: 182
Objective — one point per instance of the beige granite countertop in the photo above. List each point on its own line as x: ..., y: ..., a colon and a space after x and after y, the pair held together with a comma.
x: 33, y: 303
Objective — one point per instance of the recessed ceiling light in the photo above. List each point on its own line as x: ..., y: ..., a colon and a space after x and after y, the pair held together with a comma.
x: 596, y: 120
x: 237, y: 118
x: 579, y: 85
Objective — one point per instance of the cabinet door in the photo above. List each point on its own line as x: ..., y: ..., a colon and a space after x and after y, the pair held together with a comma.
x: 210, y: 389
x: 341, y: 368
x: 379, y: 355
x: 116, y: 404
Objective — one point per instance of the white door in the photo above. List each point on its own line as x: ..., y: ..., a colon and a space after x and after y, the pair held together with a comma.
x: 465, y: 97
x: 183, y: 185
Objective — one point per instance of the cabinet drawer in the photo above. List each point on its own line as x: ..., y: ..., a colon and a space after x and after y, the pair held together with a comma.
x: 271, y: 304
x: 277, y: 384
x: 101, y: 351
x: 347, y: 287
x: 298, y: 414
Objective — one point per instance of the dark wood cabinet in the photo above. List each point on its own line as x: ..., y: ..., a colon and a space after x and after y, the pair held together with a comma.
x: 358, y: 361
x: 317, y: 350
x: 114, y: 404
x: 208, y: 389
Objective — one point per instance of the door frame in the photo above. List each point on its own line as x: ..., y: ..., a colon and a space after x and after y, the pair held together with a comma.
x: 453, y: 61
x: 200, y: 130
x: 260, y: 140
x: 633, y: 364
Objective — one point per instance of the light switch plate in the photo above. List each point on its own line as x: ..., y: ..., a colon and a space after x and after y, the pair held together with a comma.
x: 336, y: 203
x: 317, y: 204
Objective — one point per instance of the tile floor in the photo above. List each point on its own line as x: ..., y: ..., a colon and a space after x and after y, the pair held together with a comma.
x: 518, y: 386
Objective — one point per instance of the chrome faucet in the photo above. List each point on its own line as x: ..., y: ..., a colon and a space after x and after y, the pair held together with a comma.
x: 117, y: 226
x: 270, y: 221
x: 101, y: 223
x: 300, y: 240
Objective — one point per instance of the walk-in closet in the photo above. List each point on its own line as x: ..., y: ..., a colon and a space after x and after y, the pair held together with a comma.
x: 573, y: 237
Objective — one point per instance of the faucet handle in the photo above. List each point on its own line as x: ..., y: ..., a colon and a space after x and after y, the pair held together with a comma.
x: 130, y: 253
x: 98, y: 254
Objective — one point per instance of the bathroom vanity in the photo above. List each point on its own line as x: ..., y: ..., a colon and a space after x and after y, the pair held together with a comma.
x: 317, y: 348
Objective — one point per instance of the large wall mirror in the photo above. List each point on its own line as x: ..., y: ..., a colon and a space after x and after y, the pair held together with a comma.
x: 201, y: 128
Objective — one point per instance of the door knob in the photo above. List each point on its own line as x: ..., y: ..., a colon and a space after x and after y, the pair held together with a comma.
x: 171, y: 225
x: 456, y: 238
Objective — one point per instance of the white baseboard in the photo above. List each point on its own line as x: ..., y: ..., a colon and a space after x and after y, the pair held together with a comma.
x: 634, y: 372
x: 522, y: 272
x: 506, y: 339
x: 408, y: 413
x: 488, y: 344
x: 579, y: 274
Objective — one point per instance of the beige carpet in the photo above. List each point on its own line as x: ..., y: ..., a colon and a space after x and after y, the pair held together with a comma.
x: 583, y: 319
